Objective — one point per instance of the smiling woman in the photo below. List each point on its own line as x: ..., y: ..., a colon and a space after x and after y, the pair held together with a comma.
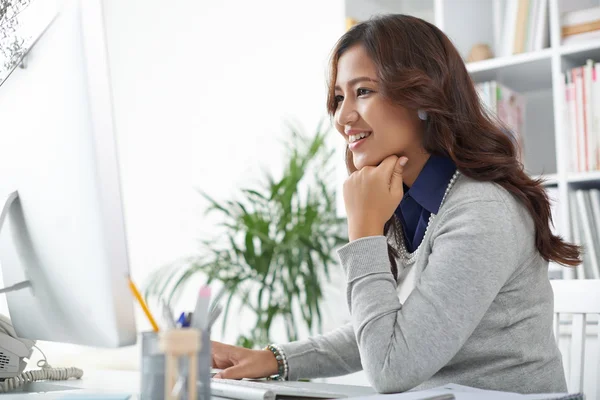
x: 447, y: 264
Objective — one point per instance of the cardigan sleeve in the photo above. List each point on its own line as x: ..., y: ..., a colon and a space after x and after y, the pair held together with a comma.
x: 402, y: 345
x: 332, y: 354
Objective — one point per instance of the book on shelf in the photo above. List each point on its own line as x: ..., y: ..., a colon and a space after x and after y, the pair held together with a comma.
x: 580, y: 25
x: 507, y: 105
x: 522, y: 27
x: 585, y: 217
x: 581, y: 37
x: 581, y: 114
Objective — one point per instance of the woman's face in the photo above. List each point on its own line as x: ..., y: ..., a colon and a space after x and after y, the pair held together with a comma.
x: 362, y: 111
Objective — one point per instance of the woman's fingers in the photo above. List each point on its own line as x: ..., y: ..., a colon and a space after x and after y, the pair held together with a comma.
x: 236, y: 372
x: 221, y: 355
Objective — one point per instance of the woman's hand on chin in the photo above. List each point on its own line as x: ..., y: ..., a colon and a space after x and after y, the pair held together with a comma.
x: 371, y: 196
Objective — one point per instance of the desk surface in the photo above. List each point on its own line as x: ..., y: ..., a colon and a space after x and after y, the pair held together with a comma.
x: 91, y: 382
x: 118, y: 382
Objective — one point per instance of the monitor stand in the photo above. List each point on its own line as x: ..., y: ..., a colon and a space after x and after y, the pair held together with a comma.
x: 12, y: 199
x: 14, y: 196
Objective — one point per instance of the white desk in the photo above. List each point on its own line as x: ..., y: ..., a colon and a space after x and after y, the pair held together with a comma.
x: 92, y: 382
x: 126, y: 382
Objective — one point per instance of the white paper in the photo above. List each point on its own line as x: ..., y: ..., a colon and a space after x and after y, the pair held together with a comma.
x: 461, y: 392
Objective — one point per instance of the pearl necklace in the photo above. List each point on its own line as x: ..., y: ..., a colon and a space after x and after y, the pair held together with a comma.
x: 404, y: 254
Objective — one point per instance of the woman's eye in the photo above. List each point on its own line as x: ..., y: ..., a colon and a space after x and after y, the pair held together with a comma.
x: 339, y: 99
x: 363, y: 91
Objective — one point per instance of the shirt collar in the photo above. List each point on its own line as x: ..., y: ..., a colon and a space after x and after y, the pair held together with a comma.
x: 430, y: 186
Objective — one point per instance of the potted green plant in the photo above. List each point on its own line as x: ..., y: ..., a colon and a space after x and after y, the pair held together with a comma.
x: 277, y: 245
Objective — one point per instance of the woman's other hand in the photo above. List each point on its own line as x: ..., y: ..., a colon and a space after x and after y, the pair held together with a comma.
x: 239, y: 362
x: 371, y: 196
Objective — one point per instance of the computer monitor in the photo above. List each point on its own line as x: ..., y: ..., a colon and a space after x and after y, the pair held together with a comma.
x: 65, y: 231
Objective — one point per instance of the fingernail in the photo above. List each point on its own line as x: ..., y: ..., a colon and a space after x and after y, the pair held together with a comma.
x: 217, y: 376
x: 403, y: 161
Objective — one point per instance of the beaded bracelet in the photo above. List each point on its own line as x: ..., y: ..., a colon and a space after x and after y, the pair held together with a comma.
x: 282, y: 365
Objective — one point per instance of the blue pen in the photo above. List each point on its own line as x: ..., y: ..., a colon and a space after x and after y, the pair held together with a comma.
x: 183, y: 321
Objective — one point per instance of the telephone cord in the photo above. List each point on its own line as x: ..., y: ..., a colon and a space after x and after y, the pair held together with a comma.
x: 47, y: 372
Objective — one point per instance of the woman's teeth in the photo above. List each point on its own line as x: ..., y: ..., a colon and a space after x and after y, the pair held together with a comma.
x: 354, y: 138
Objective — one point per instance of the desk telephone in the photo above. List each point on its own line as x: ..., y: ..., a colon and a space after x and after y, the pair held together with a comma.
x: 13, y: 352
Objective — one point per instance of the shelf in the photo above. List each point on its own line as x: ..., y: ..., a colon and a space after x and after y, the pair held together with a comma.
x: 522, y: 72
x: 501, y: 62
x: 584, y: 49
x: 550, y: 179
x: 577, y: 55
x: 584, y: 177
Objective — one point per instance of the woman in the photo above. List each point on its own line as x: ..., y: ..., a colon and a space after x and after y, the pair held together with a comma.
x: 449, y: 239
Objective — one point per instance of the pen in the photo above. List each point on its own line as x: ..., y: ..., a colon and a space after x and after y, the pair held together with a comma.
x: 138, y: 296
x: 214, y: 314
x: 183, y: 321
x: 178, y: 386
x: 200, y: 315
x: 167, y: 314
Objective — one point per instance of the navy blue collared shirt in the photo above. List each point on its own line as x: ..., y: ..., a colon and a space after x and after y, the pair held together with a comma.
x: 423, y: 198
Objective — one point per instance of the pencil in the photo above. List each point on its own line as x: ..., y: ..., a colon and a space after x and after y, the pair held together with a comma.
x: 138, y: 296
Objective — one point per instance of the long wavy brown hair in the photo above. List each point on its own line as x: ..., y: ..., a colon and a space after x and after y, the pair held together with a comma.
x: 419, y: 68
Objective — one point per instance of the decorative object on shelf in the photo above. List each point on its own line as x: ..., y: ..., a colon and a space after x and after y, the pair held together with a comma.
x: 350, y: 22
x: 479, y: 52
x: 276, y: 247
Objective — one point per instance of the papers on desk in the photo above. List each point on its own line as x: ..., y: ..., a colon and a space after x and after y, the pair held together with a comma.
x: 468, y: 393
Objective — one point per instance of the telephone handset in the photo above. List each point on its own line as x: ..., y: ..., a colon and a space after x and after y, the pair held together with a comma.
x: 13, y: 352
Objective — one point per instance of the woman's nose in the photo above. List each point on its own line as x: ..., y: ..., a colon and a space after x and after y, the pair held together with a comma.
x: 347, y: 115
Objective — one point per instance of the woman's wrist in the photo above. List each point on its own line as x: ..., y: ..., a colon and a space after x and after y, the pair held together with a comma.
x: 279, y: 370
x: 357, y: 232
x: 270, y: 362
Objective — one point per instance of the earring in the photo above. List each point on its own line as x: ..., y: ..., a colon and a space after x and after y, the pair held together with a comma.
x: 422, y: 115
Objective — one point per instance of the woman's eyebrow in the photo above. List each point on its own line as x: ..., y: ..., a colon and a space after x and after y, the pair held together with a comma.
x: 354, y: 81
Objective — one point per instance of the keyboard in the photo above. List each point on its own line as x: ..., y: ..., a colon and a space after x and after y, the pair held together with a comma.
x: 267, y: 390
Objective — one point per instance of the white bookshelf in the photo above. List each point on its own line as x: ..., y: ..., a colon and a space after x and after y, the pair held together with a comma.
x: 536, y: 75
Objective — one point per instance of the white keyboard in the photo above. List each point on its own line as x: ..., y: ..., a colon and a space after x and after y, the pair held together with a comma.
x: 263, y: 390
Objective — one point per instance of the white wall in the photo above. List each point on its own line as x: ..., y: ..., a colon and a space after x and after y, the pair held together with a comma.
x: 202, y: 91
x: 364, y: 9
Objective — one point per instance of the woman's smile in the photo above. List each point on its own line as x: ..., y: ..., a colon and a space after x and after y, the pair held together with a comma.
x: 357, y: 138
